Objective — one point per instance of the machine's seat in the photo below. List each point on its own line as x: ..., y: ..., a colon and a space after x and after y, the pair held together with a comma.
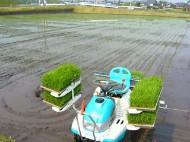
x: 120, y: 80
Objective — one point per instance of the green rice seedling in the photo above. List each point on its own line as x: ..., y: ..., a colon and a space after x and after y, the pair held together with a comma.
x: 137, y: 75
x: 146, y: 92
x: 61, y: 77
x: 62, y: 100
x: 144, y: 118
x: 4, y: 138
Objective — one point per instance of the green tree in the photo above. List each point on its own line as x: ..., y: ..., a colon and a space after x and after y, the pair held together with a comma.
x: 184, y: 8
x: 138, y: 4
x: 160, y: 7
x: 53, y: 1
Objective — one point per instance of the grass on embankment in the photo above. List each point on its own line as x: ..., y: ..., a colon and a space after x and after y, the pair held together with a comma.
x: 101, y: 10
x: 88, y: 10
x: 36, y: 9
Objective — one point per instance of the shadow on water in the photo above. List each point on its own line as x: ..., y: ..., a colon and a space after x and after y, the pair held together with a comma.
x: 161, y: 133
x: 165, y: 132
x: 142, y: 135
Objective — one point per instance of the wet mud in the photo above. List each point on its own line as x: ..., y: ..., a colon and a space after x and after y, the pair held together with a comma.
x: 30, y: 48
x: 174, y: 122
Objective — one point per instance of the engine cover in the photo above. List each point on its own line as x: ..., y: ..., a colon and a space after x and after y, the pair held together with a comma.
x: 100, y: 109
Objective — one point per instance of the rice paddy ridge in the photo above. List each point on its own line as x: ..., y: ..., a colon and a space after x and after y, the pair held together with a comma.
x: 164, y: 58
x: 147, y: 45
x: 124, y: 53
x: 130, y: 56
x: 41, y: 33
x: 175, y: 46
x: 143, y: 55
x: 150, y: 66
x: 155, y: 58
x: 121, y: 50
x: 138, y: 49
x: 157, y: 42
x: 167, y: 57
x: 146, y: 51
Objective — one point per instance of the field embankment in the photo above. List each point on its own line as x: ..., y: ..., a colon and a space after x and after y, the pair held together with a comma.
x: 35, y: 9
x: 89, y: 10
x: 31, y: 45
x: 100, y: 10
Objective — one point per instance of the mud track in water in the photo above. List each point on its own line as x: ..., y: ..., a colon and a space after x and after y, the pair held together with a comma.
x: 30, y: 48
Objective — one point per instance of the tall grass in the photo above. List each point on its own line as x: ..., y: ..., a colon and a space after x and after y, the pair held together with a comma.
x: 62, y: 100
x: 146, y: 92
x: 101, y: 10
x: 61, y: 77
x: 89, y: 10
x: 35, y: 9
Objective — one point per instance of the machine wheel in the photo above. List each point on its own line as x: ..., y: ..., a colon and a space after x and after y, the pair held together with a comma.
x: 124, y: 138
x: 77, y: 138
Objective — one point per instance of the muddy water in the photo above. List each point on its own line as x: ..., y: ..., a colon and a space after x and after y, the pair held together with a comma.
x: 174, y: 123
x: 28, y: 48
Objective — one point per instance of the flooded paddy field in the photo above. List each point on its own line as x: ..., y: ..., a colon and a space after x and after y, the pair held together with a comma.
x: 30, y: 47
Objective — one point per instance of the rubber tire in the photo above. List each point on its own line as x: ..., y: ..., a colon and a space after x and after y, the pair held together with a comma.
x: 124, y: 138
x: 77, y: 138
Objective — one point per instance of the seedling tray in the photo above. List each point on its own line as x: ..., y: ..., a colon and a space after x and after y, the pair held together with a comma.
x: 61, y: 77
x: 144, y: 119
x: 146, y: 94
x: 61, y: 101
x: 146, y: 108
x: 64, y: 91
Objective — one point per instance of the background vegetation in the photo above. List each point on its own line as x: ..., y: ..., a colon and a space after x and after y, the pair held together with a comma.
x: 36, y: 1
x: 91, y: 10
x: 100, y: 10
x: 7, y: 3
x: 35, y: 9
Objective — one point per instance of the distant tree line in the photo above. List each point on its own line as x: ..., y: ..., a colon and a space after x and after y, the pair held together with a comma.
x: 27, y: 1
x: 36, y: 1
x: 53, y: 1
x: 8, y: 3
